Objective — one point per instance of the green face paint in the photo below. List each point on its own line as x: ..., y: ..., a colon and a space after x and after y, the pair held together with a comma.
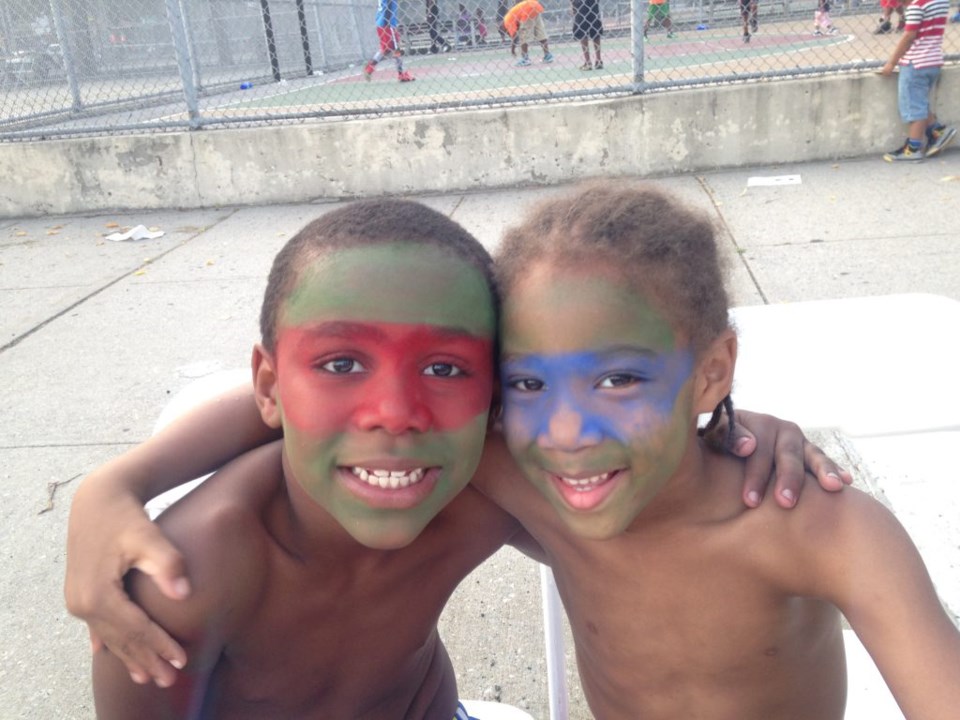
x: 597, y: 401
x: 385, y: 373
x: 400, y: 283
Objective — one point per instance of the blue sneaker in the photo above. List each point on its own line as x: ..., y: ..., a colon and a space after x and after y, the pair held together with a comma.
x: 905, y: 153
x: 937, y: 140
x: 548, y: 58
x: 523, y: 61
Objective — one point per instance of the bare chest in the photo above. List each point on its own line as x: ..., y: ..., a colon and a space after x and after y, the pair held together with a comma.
x: 672, y: 629
x: 354, y: 646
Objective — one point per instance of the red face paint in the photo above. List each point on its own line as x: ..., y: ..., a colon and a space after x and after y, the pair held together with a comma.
x: 384, y: 360
x: 398, y: 377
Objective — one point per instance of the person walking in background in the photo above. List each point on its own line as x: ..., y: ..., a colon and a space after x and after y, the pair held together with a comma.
x: 464, y: 29
x: 748, y: 13
x: 523, y: 20
x: 437, y: 42
x: 658, y: 11
x: 886, y: 14
x: 481, y: 27
x: 389, y: 37
x: 501, y: 14
x: 919, y: 53
x: 821, y: 19
x: 587, y: 26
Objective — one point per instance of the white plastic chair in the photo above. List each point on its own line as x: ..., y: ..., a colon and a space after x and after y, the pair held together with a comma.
x: 484, y: 710
x: 869, y: 367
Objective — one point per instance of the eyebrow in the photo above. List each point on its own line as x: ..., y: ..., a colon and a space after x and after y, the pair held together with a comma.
x: 353, y: 330
x: 604, y: 352
x: 348, y: 330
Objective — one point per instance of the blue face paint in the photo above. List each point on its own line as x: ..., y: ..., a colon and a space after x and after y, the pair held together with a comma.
x: 598, y: 394
x: 579, y: 399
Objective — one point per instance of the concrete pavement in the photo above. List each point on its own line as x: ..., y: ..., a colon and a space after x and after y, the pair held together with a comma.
x: 96, y: 336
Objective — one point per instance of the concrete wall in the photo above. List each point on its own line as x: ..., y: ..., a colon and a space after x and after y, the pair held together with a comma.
x: 660, y: 133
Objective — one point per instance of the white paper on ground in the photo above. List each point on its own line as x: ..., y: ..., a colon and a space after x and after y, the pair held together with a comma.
x: 762, y: 180
x: 138, y: 232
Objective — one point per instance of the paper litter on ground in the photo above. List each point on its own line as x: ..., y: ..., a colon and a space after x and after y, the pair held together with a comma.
x: 762, y: 180
x: 138, y: 232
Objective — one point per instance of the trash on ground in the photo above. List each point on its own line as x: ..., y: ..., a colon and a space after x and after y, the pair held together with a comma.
x: 138, y: 232
x: 764, y: 180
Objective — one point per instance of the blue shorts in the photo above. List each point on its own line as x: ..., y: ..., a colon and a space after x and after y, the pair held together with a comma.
x: 913, y: 91
x: 462, y: 713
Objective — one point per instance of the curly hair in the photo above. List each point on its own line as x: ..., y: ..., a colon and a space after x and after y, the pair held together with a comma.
x: 657, y: 245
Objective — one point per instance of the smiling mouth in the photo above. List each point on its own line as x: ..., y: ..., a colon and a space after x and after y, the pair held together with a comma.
x: 389, y: 479
x: 586, y: 484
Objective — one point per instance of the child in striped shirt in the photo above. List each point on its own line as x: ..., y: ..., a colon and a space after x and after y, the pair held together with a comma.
x: 919, y: 54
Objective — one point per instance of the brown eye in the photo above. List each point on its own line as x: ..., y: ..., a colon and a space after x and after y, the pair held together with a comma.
x: 343, y: 366
x: 527, y: 385
x: 443, y: 370
x: 619, y: 380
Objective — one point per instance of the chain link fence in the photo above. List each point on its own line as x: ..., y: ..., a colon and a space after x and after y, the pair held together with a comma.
x: 74, y: 67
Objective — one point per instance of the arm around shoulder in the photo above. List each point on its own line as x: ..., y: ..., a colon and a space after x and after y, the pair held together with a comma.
x: 117, y: 696
x: 223, y: 557
x: 109, y: 533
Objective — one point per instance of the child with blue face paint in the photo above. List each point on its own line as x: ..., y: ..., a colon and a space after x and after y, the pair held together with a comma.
x: 683, y: 603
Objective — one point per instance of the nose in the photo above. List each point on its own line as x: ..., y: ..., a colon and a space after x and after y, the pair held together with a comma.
x: 396, y: 406
x: 568, y: 430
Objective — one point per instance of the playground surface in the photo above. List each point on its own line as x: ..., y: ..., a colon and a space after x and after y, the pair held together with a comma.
x: 489, y: 72
x: 97, y: 336
x: 481, y: 76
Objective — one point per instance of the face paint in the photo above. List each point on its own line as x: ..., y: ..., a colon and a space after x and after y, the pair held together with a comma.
x: 384, y: 366
x: 597, y: 409
x: 573, y: 400
x: 401, y: 376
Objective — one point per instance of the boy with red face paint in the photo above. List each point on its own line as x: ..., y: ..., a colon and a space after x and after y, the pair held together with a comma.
x: 321, y: 563
x: 302, y: 555
x: 615, y: 338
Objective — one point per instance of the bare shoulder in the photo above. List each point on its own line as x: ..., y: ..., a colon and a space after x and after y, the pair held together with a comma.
x: 836, y: 516
x: 815, y: 544
x: 219, y: 529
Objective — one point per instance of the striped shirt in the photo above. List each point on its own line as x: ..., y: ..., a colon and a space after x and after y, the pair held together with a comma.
x: 928, y: 18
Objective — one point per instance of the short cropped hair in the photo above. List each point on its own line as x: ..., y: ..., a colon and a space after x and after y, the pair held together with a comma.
x: 361, y: 224
x: 660, y: 247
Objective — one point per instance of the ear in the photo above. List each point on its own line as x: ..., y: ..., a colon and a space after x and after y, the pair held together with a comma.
x: 265, y: 388
x: 715, y: 372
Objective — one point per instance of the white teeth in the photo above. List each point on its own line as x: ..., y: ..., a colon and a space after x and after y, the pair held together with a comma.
x: 392, y: 479
x: 586, y: 484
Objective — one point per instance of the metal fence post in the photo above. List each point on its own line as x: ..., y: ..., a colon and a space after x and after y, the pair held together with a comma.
x: 66, y: 49
x: 175, y: 18
x: 271, y: 41
x: 304, y: 37
x: 320, y: 41
x: 636, y: 42
x: 191, y: 45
